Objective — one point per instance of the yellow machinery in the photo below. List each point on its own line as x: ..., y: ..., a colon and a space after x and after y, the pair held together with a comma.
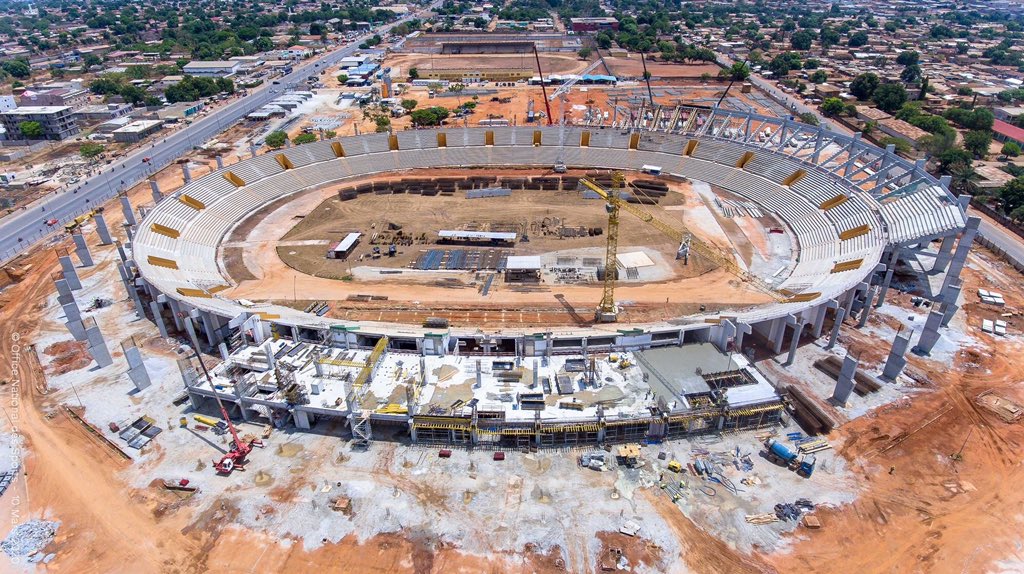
x: 687, y: 244
x: 675, y: 466
x: 208, y: 421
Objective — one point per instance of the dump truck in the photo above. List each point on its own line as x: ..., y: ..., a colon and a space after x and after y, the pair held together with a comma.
x: 778, y: 453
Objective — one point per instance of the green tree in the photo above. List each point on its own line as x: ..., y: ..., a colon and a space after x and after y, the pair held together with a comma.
x: 382, y: 122
x: 409, y: 104
x: 809, y: 118
x: 864, y: 86
x: 1012, y: 195
x: 330, y: 134
x: 739, y: 71
x: 414, y: 74
x: 31, y: 130
x: 263, y: 44
x: 276, y: 139
x: 889, y: 97
x: 857, y: 40
x: 585, y: 52
x: 304, y: 139
x: 908, y: 58
x: 342, y: 78
x: 963, y: 178
x: 977, y: 142
x: 1010, y: 149
x: 802, y: 40
x: 91, y: 60
x: 911, y: 74
x: 17, y: 68
x: 832, y: 107
x: 819, y: 77
x: 432, y: 116
x: 901, y: 145
x: 90, y: 150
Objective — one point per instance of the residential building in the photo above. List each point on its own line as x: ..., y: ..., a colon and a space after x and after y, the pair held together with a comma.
x: 1005, y: 132
x: 295, y: 52
x: 7, y: 102
x: 74, y: 98
x: 103, y: 112
x: 57, y: 122
x: 902, y: 130
x: 212, y: 68
x: 179, y: 111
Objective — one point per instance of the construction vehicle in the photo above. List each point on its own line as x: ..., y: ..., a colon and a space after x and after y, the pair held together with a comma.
x: 675, y: 466
x: 559, y: 166
x: 778, y: 453
x: 78, y: 221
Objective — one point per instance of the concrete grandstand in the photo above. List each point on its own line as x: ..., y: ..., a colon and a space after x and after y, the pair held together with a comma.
x: 849, y: 206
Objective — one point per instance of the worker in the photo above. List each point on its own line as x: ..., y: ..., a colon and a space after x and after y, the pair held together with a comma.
x: 892, y: 470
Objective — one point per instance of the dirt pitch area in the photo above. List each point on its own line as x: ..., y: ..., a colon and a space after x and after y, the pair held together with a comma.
x: 284, y: 246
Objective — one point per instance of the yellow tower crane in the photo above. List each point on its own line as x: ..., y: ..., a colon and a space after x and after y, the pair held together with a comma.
x: 607, y: 311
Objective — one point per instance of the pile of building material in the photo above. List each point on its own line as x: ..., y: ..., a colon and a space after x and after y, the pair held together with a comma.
x: 1007, y: 410
x: 811, y: 416
x: 29, y: 538
x: 998, y: 327
x: 863, y: 382
x: 991, y: 297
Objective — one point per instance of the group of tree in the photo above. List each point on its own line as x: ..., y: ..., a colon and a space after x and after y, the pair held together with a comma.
x: 192, y: 88
x: 119, y: 85
x: 432, y: 116
x: 276, y: 140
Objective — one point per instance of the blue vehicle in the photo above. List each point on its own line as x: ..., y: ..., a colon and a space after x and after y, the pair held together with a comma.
x: 779, y: 454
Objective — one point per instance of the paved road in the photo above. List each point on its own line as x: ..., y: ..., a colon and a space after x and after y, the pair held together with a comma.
x: 1001, y: 237
x: 794, y: 105
x: 24, y: 228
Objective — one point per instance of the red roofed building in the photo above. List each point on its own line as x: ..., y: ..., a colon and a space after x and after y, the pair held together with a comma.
x: 1005, y: 132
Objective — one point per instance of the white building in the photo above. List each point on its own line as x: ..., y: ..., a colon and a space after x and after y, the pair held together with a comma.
x: 212, y: 69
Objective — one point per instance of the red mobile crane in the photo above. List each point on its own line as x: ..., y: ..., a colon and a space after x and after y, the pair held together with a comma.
x: 235, y: 458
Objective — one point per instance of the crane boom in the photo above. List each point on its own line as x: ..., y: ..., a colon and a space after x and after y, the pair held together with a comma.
x: 572, y: 81
x: 686, y: 240
x: 544, y: 90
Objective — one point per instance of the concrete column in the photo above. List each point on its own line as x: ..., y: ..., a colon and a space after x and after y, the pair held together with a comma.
x: 865, y: 311
x: 963, y: 247
x: 945, y: 253
x: 851, y: 296
x: 175, y: 310
x: 82, y: 250
x: 777, y: 334
x: 896, y: 361
x: 64, y: 295
x: 479, y: 374
x: 190, y: 328
x: 252, y: 150
x: 158, y: 318
x: 220, y: 162
x: 884, y: 287
x: 154, y: 188
x: 301, y: 419
x: 819, y: 318
x: 186, y: 172
x: 845, y: 383
x: 208, y: 328
x: 102, y: 230
x: 930, y: 334
x: 129, y: 232
x: 223, y: 348
x: 97, y: 345
x: 950, y: 297
x: 741, y: 329
x: 726, y: 331
x: 798, y: 329
x: 834, y: 336
x: 126, y: 209
x: 269, y: 350
x: 136, y: 366
x: 73, y: 320
x: 121, y: 254
x: 70, y: 273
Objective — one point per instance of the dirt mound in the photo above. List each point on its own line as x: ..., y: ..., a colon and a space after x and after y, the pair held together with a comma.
x: 67, y: 356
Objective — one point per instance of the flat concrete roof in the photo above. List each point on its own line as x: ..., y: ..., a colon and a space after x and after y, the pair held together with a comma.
x: 139, y: 126
x: 523, y: 262
x: 22, y: 110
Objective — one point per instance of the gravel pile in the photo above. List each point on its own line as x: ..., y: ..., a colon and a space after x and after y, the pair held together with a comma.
x: 29, y: 537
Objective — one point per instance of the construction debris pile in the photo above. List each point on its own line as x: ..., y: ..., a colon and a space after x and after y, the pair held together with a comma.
x: 29, y: 538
